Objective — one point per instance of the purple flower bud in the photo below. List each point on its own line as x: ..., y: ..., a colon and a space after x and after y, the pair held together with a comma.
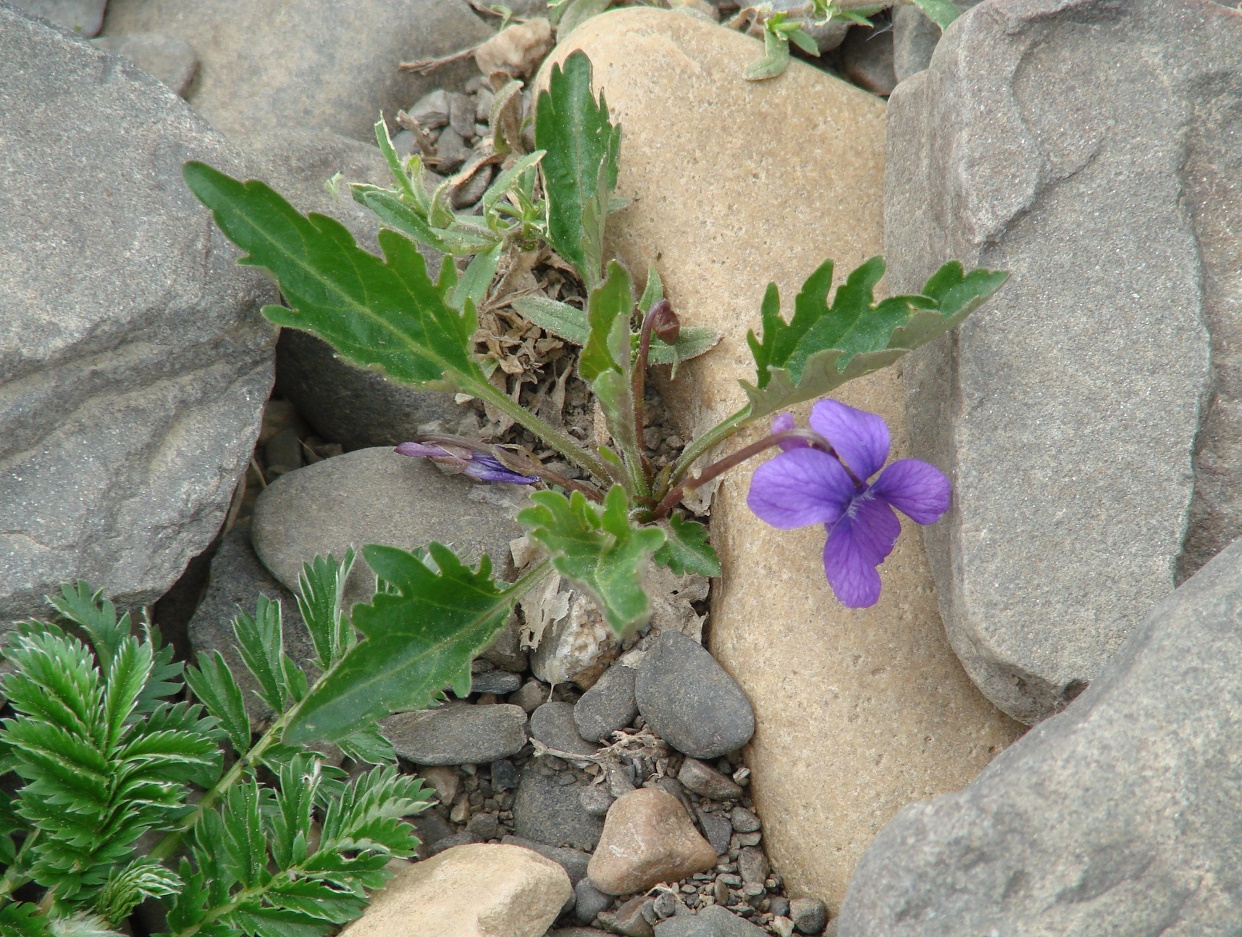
x: 665, y: 322
x: 460, y: 460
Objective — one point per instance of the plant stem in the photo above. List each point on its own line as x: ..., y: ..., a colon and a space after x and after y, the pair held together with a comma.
x: 558, y: 441
x: 13, y: 879
x: 718, y: 468
x: 638, y: 379
x: 714, y: 436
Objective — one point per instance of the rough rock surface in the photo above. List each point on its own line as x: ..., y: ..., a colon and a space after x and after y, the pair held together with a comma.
x: 608, y: 706
x: 81, y: 17
x: 1089, y: 148
x: 320, y: 66
x: 714, y: 921
x: 236, y: 581
x: 858, y: 713
x: 648, y: 838
x: 169, y: 59
x: 133, y: 359
x: 457, y: 733
x: 552, y: 813
x: 374, y: 496
x: 1118, y: 816
x: 469, y: 891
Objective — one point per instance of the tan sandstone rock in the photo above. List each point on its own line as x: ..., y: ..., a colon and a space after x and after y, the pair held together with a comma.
x: 469, y: 891
x: 648, y: 838
x: 734, y: 184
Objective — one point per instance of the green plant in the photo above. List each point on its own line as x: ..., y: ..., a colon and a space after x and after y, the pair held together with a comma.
x: 105, y: 758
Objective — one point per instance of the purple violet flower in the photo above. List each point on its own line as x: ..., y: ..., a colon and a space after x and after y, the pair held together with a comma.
x: 458, y: 460
x: 804, y: 485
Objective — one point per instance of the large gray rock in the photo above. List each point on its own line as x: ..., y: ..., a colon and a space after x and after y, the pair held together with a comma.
x: 375, y: 496
x: 307, y: 64
x: 1091, y: 149
x: 81, y: 17
x: 1117, y: 817
x: 133, y: 360
x: 168, y: 58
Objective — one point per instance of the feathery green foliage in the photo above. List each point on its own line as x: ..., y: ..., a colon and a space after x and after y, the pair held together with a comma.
x: 104, y: 754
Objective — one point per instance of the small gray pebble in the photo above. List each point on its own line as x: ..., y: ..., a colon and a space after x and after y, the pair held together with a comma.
x: 531, y: 696
x: 779, y: 906
x: 589, y: 901
x: 665, y: 905
x: 553, y: 725
x: 499, y: 682
x: 717, y: 830
x: 743, y: 820
x: 706, y: 781
x: 753, y: 865
x: 504, y: 775
x: 464, y: 838
x: 809, y: 915
x: 596, y: 800
x: 608, y: 705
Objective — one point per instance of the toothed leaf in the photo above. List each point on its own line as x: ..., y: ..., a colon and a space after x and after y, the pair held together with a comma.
x: 686, y: 550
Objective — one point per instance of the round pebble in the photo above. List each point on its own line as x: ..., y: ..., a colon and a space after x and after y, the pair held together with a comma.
x: 689, y: 700
x: 647, y: 838
x: 608, y: 705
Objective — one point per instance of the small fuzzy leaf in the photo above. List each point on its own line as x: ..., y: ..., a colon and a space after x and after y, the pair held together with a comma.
x: 686, y: 550
x: 774, y: 61
x: 420, y: 638
x: 653, y: 292
x: 597, y: 548
x: 608, y: 315
x: 379, y: 313
x: 561, y: 319
x: 693, y: 341
x: 580, y: 165
x: 478, y: 277
x: 823, y: 347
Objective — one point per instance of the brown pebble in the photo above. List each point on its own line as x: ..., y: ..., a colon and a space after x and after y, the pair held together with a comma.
x: 647, y: 838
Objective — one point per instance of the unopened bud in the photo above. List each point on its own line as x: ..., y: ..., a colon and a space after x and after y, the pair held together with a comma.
x: 664, y: 322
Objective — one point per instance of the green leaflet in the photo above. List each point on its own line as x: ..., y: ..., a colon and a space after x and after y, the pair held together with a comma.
x: 598, y: 548
x: 422, y: 630
x: 940, y: 12
x: 580, y: 164
x: 823, y: 347
x: 569, y: 323
x: 607, y: 347
x: 686, y: 550
x: 380, y: 313
x: 775, y: 57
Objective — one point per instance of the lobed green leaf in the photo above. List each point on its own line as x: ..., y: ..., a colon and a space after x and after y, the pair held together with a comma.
x: 383, y: 313
x: 579, y: 166
x: 687, y: 550
x: 598, y: 548
x: 421, y: 632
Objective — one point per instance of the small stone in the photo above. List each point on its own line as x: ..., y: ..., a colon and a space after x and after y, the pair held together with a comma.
x: 516, y: 50
x: 457, y: 733
x: 720, y: 891
x: 546, y: 812
x: 743, y: 820
x: 168, y: 58
x: 782, y: 926
x: 484, y: 825
x: 629, y: 919
x: 665, y: 905
x: 748, y: 839
x: 809, y: 915
x: 284, y: 449
x: 596, y: 800
x: 452, y: 151
x: 717, y: 829
x: 531, y: 696
x: 461, y: 114
x: 589, y: 902
x: 866, y: 59
x: 504, y: 775
x: 464, y: 891
x: 712, y: 921
x: 753, y: 865
x: 445, y: 781
x: 474, y: 189
x: 779, y: 906
x: 689, y: 700
x: 553, y: 725
x: 431, y: 111
x: 499, y: 682
x: 431, y: 828
x: 573, y: 861
x: 706, y: 781
x: 463, y: 838
x: 647, y: 838
x: 607, y: 706
x: 620, y: 779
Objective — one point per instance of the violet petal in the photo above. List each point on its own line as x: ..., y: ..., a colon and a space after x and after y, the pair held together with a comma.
x: 874, y: 527
x: 800, y: 487
x: 860, y: 438
x: 487, y: 469
x: 917, y: 489
x: 418, y: 450
x: 785, y: 421
x: 854, y: 580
